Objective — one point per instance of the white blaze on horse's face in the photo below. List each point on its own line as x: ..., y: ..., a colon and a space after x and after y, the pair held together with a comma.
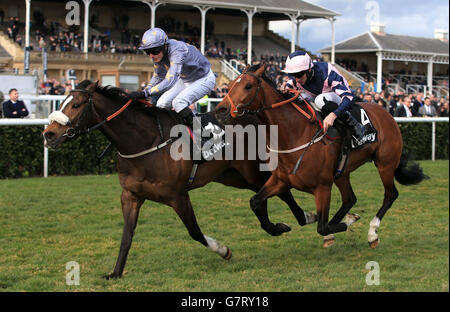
x: 66, y: 101
x: 59, y: 116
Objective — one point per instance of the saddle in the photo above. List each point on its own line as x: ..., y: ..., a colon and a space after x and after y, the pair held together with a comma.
x: 349, y: 142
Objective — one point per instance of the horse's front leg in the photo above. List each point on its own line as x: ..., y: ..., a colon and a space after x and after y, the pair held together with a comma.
x: 322, y: 195
x: 130, y: 209
x: 258, y: 203
x: 183, y: 207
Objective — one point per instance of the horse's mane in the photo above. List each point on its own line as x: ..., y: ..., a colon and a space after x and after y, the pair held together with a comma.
x: 255, y: 67
x: 118, y: 95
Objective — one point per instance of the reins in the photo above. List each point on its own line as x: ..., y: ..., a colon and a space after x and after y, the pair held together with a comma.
x: 297, y: 93
x: 234, y: 112
x: 73, y: 131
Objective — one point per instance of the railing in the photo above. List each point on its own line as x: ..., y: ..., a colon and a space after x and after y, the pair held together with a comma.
x: 394, y: 88
x: 52, y: 104
x: 439, y: 91
x: 433, y: 120
x: 228, y: 70
x: 49, y: 103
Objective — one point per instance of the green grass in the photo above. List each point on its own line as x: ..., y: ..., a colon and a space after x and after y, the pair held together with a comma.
x: 46, y: 223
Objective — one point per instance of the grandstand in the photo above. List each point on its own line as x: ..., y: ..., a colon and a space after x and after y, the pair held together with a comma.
x: 217, y: 26
x: 406, y: 63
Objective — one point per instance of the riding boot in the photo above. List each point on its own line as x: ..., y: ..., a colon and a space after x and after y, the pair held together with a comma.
x: 188, y: 116
x: 349, y: 120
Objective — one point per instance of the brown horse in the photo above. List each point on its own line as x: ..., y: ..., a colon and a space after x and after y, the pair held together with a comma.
x: 252, y: 92
x: 155, y: 175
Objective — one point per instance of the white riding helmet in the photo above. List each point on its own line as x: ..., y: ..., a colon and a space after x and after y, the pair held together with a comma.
x: 298, y: 61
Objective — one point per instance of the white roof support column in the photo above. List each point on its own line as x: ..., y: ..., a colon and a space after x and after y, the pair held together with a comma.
x: 203, y: 10
x: 299, y: 22
x: 152, y: 5
x: 86, y: 25
x: 430, y: 76
x: 27, y: 22
x: 379, y: 71
x: 250, y: 14
x: 332, y: 20
x: 293, y: 18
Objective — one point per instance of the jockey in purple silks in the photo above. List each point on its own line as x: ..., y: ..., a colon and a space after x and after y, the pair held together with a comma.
x: 182, y: 76
x: 325, y: 88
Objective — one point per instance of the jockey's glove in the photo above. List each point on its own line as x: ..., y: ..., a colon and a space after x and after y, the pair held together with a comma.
x: 136, y: 95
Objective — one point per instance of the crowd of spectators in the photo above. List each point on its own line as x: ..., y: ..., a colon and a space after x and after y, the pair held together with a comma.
x: 52, y: 36
x: 398, y: 105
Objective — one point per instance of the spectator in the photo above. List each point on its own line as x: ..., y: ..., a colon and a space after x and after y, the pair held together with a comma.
x: 367, y: 97
x: 443, y: 112
x: 404, y: 109
x: 427, y: 110
x: 13, y: 108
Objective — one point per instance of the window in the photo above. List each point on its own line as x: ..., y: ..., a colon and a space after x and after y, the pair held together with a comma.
x: 130, y: 82
x: 109, y: 80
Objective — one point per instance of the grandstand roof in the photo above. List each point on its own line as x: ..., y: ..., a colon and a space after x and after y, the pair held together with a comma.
x: 302, y: 8
x: 373, y: 42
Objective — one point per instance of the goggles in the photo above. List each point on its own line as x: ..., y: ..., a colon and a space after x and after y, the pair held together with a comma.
x: 299, y: 74
x: 154, y: 51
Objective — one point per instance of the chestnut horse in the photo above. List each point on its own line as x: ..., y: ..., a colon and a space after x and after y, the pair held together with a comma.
x: 253, y: 93
x: 155, y: 175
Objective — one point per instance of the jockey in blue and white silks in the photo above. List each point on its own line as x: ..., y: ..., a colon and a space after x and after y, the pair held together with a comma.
x: 326, y: 89
x: 182, y: 73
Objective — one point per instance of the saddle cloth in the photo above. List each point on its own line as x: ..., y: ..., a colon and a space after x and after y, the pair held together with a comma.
x: 370, y: 136
x: 208, y: 140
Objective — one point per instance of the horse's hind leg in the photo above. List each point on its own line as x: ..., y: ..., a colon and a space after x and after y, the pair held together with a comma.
x: 183, y: 207
x: 130, y: 209
x: 390, y: 195
x: 348, y: 201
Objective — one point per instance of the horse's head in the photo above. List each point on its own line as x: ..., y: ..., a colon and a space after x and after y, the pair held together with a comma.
x: 245, y: 94
x: 73, y: 116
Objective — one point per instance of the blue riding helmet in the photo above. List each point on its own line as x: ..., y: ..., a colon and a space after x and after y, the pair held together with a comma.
x: 152, y: 38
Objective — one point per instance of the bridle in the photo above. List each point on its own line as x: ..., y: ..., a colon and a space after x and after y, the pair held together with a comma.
x: 74, y: 130
x: 234, y: 111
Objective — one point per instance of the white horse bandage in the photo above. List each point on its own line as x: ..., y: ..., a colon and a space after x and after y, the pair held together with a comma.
x: 59, y: 117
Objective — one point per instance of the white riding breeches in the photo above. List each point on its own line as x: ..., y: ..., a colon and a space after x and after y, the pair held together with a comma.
x: 318, y: 101
x: 183, y: 94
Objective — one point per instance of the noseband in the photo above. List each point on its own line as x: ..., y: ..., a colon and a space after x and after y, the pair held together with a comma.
x: 72, y: 131
x: 234, y: 112
x: 235, y: 108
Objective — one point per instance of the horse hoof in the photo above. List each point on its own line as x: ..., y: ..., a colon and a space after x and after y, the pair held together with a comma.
x: 282, y: 228
x: 310, y: 217
x: 111, y: 276
x: 278, y: 229
x: 328, y: 241
x: 228, y: 254
x: 351, y: 218
x: 374, y: 244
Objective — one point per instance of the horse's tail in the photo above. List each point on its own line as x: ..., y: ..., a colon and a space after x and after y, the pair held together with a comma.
x: 408, y: 172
